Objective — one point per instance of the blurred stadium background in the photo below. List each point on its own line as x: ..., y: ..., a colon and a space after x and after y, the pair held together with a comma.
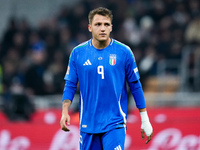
x: 36, y: 38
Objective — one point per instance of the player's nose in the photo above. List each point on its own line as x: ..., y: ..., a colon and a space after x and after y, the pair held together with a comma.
x: 102, y: 28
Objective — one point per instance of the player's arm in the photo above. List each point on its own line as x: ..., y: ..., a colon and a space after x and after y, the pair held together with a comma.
x: 146, y: 125
x: 68, y: 92
x: 132, y: 76
x: 137, y: 92
x: 68, y: 95
x: 65, y: 115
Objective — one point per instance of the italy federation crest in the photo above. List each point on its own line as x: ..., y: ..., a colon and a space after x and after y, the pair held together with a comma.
x: 112, y: 59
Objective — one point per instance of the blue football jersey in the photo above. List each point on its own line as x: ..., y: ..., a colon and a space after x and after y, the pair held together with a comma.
x: 102, y: 76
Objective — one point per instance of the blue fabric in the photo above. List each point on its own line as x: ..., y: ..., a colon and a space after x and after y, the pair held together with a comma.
x: 102, y: 76
x: 69, y: 90
x: 111, y: 140
x: 137, y: 92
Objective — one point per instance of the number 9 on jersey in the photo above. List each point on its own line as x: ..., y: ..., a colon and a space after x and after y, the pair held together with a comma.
x: 100, y: 70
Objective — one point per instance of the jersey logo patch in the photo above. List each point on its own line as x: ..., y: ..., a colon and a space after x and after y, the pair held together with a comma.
x: 100, y: 58
x: 84, y: 126
x: 135, y: 70
x: 87, y: 63
x: 68, y: 68
x: 118, y: 148
x: 112, y: 59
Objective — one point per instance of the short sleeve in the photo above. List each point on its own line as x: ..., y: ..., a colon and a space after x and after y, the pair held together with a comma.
x: 131, y: 69
x: 71, y: 73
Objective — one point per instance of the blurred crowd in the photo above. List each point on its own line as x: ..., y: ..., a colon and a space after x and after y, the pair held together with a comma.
x: 34, y: 58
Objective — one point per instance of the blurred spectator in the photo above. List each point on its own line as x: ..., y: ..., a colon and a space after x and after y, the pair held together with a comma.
x: 147, y: 64
x: 192, y: 33
x: 65, y: 40
x: 34, y: 82
x: 7, y: 39
x: 131, y: 31
x: 53, y: 75
x: 17, y: 105
x: 194, y: 8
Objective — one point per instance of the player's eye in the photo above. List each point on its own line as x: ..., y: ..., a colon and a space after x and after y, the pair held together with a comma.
x: 107, y: 24
x: 98, y: 24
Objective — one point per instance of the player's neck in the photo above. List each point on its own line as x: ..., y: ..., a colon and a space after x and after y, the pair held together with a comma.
x: 100, y: 44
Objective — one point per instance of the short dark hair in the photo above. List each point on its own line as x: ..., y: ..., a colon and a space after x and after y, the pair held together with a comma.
x: 100, y: 11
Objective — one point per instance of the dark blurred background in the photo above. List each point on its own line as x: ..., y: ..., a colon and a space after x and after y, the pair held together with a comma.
x: 37, y: 37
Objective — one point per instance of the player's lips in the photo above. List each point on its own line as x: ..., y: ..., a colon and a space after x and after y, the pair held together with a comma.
x: 102, y: 34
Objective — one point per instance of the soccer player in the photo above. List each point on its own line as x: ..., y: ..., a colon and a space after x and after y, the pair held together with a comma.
x: 102, y: 66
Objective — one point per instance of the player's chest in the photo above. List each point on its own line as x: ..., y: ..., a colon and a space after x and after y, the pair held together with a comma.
x: 107, y: 60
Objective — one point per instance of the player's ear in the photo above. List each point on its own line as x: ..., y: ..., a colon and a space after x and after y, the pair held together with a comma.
x: 111, y: 28
x: 89, y: 27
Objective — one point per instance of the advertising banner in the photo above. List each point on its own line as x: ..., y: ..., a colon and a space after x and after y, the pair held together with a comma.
x: 174, y: 129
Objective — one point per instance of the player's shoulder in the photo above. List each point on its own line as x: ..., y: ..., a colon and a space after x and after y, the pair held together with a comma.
x: 125, y: 48
x: 81, y: 46
x: 121, y: 45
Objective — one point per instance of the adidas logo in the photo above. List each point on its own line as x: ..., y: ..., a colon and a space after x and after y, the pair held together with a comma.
x: 87, y: 63
x: 118, y: 148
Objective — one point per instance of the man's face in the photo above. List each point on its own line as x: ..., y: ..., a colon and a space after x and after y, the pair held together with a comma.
x: 100, y: 27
